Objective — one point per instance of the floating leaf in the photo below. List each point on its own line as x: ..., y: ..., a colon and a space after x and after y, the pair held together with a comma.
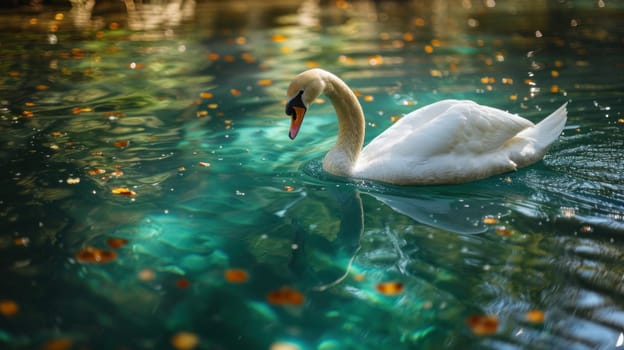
x: 73, y: 180
x: 236, y: 275
x: 78, y: 110
x: 285, y: 296
x: 184, y: 340
x: 265, y: 82
x: 535, y: 316
x: 21, y: 241
x: 375, y: 60
x: 278, y: 38
x: 8, y: 308
x: 235, y: 92
x: 503, y: 231
x: 123, y: 191
x: 95, y: 255
x: 96, y: 171
x: 117, y: 173
x: 289, y: 188
x: 203, y: 164
x: 116, y: 242
x: 206, y: 95
x: 121, y: 143
x: 483, y: 324
x: 390, y: 288
x: 490, y: 220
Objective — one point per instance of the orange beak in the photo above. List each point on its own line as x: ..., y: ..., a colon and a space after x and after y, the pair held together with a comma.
x: 295, y: 123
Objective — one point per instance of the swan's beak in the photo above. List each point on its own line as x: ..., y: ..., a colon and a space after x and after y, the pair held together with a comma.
x: 295, y: 122
x: 296, y: 109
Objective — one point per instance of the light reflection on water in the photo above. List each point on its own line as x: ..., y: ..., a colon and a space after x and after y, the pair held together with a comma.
x: 186, y: 111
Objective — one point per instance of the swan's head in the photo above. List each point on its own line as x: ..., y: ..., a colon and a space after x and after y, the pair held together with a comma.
x: 303, y: 90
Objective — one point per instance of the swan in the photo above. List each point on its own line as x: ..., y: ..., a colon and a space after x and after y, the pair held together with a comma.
x: 447, y: 142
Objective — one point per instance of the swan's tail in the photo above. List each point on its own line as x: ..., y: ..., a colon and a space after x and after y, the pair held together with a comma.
x: 549, y: 129
x: 534, y: 142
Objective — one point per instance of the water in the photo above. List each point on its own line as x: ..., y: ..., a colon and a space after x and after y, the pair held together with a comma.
x: 186, y: 112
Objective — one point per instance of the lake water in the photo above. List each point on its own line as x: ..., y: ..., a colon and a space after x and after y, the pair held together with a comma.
x: 150, y: 197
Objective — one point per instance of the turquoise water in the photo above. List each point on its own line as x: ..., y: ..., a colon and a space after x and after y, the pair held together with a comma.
x: 186, y: 113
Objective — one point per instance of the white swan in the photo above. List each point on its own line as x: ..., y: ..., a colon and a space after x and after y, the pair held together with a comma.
x: 447, y: 142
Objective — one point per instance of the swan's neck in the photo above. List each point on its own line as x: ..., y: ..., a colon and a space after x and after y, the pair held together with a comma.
x: 342, y: 157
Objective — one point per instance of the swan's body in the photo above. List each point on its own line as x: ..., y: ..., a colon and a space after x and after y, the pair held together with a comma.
x: 450, y: 141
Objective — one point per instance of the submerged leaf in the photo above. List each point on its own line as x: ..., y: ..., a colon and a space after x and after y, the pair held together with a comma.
x: 483, y: 324
x: 116, y: 242
x: 184, y: 340
x: 285, y: 296
x: 95, y: 255
x: 8, y: 308
x: 236, y: 275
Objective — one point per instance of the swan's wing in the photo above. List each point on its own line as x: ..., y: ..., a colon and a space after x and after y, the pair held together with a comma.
x: 446, y: 127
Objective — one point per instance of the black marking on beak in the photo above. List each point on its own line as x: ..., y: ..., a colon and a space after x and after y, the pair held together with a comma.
x: 296, y: 101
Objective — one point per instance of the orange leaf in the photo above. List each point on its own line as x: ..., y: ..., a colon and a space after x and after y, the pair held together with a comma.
x: 8, y: 308
x: 535, y: 316
x: 483, y: 324
x: 390, y: 288
x: 121, y: 143
x: 285, y: 296
x: 95, y: 255
x: 503, y: 231
x: 123, y: 191
x: 185, y: 340
x: 490, y: 220
x: 96, y: 171
x: 236, y: 275
x: 116, y: 242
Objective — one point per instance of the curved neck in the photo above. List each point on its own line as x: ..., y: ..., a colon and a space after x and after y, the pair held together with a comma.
x: 341, y: 158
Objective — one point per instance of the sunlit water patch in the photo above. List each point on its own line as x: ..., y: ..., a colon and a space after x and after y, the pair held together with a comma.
x: 148, y: 181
